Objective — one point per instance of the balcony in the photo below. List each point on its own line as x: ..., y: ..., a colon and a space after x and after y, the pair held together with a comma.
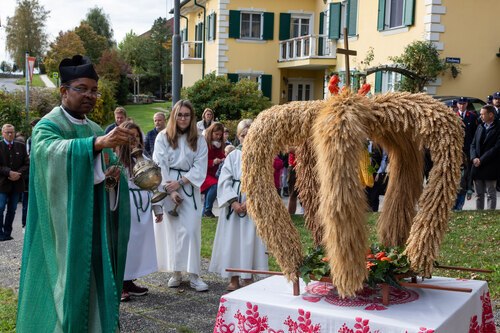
x: 307, y: 52
x: 192, y: 50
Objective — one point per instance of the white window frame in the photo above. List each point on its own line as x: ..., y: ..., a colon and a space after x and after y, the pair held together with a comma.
x: 390, y: 81
x: 257, y: 77
x: 295, y: 84
x: 261, y: 32
x: 389, y: 10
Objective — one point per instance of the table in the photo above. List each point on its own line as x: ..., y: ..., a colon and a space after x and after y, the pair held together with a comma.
x: 269, y: 306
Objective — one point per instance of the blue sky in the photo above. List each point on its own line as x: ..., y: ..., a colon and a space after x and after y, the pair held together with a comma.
x: 124, y: 16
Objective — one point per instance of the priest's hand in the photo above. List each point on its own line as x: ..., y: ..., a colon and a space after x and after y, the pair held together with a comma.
x: 117, y: 137
x: 238, y: 208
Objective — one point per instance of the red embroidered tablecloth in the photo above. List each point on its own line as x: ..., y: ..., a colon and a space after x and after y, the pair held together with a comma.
x: 269, y: 306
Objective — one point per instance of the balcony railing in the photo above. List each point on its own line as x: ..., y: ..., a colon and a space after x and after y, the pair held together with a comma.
x: 192, y: 50
x: 310, y: 46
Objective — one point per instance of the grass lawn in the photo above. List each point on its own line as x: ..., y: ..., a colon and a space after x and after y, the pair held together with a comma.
x: 471, y: 241
x: 142, y: 114
x: 8, y: 305
x: 36, y: 82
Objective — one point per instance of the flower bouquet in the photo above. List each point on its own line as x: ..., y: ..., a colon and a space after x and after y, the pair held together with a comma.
x: 384, y: 265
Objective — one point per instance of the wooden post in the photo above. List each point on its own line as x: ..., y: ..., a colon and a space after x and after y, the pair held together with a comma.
x: 346, y: 52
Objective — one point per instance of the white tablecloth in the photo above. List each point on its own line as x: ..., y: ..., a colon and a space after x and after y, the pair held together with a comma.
x: 269, y: 306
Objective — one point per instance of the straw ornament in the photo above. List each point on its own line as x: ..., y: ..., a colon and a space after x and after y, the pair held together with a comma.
x: 330, y: 139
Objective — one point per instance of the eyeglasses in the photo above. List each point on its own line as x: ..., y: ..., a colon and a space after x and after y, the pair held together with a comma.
x: 184, y: 115
x: 83, y: 91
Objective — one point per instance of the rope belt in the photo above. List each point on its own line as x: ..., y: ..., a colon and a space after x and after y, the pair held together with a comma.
x: 229, y: 208
x: 138, y: 201
x: 179, y: 176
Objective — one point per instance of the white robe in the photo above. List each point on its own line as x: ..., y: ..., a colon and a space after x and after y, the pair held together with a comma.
x: 178, y: 239
x: 236, y: 243
x: 141, y: 250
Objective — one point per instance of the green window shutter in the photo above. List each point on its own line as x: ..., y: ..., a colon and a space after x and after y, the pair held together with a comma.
x: 233, y: 77
x: 378, y: 82
x: 214, y: 25
x: 266, y: 85
x: 234, y: 24
x: 381, y: 15
x: 352, y: 17
x: 409, y: 12
x: 321, y: 39
x: 334, y: 26
x: 268, y: 32
x: 209, y: 25
x: 285, y: 20
x: 355, y: 81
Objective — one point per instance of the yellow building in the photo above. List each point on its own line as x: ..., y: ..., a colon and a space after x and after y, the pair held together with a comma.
x: 290, y: 46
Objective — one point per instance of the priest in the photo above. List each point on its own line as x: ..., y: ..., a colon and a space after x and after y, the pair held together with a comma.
x: 77, y: 232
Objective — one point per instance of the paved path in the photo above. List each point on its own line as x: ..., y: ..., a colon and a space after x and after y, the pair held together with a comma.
x: 48, y: 82
x: 9, y: 84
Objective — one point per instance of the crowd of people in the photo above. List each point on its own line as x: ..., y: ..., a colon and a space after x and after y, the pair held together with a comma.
x: 481, y: 152
x: 91, y: 231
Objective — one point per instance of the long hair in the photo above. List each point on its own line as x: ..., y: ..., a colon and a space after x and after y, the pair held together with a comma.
x: 203, y: 116
x: 173, y: 132
x: 215, y: 127
x: 124, y: 150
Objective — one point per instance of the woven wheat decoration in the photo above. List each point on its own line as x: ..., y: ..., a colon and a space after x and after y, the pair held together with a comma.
x: 330, y: 138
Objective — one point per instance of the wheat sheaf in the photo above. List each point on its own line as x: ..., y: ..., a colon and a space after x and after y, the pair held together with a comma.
x: 330, y: 136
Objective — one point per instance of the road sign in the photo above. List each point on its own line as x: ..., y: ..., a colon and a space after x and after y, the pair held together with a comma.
x: 451, y: 60
x: 55, y: 75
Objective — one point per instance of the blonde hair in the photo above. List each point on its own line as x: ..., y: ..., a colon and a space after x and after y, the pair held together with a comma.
x: 171, y: 130
x: 120, y: 110
x: 245, y: 123
x: 205, y: 112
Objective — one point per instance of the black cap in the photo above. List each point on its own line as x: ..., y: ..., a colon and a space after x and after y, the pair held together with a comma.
x: 77, y: 67
x: 489, y: 99
x: 463, y: 100
x: 496, y: 95
x: 453, y: 102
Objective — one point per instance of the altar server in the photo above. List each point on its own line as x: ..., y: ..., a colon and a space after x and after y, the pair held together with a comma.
x: 182, y: 156
x: 236, y: 243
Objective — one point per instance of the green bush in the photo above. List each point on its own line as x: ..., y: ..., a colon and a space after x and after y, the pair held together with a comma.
x: 105, y: 105
x: 13, y: 111
x: 229, y: 101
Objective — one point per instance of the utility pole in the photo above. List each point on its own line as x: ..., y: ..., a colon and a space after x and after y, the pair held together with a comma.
x: 176, y: 55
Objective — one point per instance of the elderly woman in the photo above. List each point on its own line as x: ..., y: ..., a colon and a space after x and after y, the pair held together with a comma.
x: 216, y: 156
x: 182, y: 156
x: 236, y: 242
x: 207, y: 118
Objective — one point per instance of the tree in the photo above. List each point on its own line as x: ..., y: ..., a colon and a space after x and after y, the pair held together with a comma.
x: 115, y: 69
x: 25, y: 31
x: 5, y: 66
x: 159, y: 58
x: 66, y: 45
x: 99, y: 21
x: 94, y: 44
x: 422, y: 58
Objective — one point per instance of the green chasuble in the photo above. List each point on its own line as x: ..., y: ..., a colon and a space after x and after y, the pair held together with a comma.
x: 75, y: 245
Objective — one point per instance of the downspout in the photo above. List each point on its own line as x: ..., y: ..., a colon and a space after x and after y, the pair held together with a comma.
x: 202, y: 38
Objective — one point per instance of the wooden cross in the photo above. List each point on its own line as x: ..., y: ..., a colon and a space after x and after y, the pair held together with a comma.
x: 346, y: 52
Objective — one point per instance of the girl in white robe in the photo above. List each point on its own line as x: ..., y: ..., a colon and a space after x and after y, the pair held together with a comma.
x: 236, y: 243
x: 141, y: 250
x: 183, y: 169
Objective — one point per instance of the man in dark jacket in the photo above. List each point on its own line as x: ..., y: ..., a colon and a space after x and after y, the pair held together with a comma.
x: 14, y: 162
x: 485, y: 157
